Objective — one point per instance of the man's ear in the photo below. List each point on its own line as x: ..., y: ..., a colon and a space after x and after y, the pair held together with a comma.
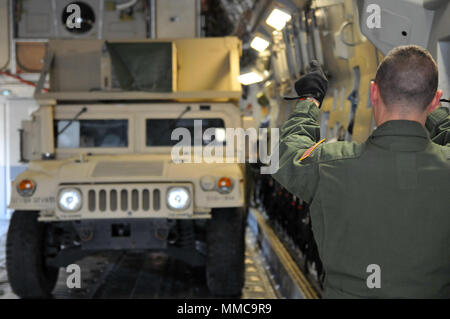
x: 374, y: 93
x: 435, y: 102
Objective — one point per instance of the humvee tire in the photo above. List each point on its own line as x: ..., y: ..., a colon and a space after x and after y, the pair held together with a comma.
x: 28, y: 274
x: 225, y: 268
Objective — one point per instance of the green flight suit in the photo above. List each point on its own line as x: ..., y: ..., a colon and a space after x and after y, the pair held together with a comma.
x: 384, y: 202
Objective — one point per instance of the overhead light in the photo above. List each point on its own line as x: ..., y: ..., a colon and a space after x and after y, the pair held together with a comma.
x: 277, y: 19
x: 6, y: 92
x: 250, y: 78
x: 259, y: 44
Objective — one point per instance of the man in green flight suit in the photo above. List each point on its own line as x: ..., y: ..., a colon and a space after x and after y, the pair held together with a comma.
x: 380, y: 210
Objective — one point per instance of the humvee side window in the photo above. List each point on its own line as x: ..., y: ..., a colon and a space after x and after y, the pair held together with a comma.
x: 159, y: 131
x: 91, y: 133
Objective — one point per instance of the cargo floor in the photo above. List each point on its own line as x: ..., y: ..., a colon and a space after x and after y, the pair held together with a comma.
x: 156, y: 275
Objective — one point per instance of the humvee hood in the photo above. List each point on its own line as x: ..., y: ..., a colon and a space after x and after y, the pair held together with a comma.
x: 123, y: 168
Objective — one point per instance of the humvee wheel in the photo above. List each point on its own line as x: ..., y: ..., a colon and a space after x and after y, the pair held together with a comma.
x: 225, y: 237
x: 28, y: 273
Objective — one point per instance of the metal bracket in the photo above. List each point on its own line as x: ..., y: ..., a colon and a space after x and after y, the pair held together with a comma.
x: 48, y: 61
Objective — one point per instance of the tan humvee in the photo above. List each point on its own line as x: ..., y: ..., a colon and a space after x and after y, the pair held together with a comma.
x: 101, y: 172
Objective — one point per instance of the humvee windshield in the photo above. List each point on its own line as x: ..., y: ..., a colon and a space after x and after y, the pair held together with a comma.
x: 91, y: 133
x: 114, y: 133
x: 159, y: 131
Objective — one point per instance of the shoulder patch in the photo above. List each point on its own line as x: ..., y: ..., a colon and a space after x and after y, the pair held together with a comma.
x: 310, y: 150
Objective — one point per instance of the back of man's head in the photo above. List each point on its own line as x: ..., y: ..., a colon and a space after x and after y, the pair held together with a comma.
x: 407, y: 79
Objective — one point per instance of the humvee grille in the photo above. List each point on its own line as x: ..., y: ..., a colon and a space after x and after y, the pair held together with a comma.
x: 124, y: 200
x: 140, y: 200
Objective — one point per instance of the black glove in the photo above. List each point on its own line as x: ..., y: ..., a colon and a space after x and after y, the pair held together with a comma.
x: 314, y: 84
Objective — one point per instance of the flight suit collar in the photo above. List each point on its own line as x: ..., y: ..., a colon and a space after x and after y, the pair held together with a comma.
x: 401, y: 135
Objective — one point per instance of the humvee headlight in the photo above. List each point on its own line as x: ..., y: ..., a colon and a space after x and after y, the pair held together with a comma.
x: 225, y: 185
x: 178, y: 198
x: 26, y: 187
x: 70, y: 200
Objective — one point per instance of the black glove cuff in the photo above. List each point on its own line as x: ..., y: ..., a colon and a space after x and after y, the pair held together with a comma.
x: 316, y: 95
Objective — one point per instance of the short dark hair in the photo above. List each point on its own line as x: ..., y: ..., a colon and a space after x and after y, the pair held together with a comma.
x: 408, y: 78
